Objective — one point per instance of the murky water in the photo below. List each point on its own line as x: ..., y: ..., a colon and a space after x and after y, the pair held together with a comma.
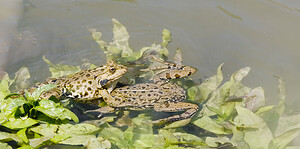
x: 262, y: 34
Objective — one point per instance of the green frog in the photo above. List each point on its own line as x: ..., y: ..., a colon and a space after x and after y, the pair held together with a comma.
x: 86, y: 84
x: 160, y: 95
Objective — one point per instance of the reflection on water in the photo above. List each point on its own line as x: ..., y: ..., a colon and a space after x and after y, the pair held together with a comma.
x: 262, y: 34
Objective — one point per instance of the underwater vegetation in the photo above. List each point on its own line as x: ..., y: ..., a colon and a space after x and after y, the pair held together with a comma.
x: 231, y: 115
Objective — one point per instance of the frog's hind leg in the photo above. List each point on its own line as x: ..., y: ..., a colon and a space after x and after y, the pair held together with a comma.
x: 189, y: 108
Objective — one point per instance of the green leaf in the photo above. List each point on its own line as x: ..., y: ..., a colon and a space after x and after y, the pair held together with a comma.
x: 55, y: 110
x: 210, y: 85
x: 19, y: 123
x: 61, y: 70
x: 59, y: 138
x: 37, y: 142
x: 234, y: 87
x: 166, y: 38
x: 264, y: 109
x: 21, y: 79
x: 26, y: 147
x: 214, y: 142
x: 260, y: 136
x: 281, y: 141
x: 4, y: 86
x: 98, y: 143
x: 53, y: 129
x: 287, y: 123
x: 6, y: 137
x: 22, y: 135
x: 237, y: 139
x: 37, y: 92
x: 282, y: 96
x: 255, y: 99
x: 177, y: 124
x: 210, y: 125
x: 5, y: 146
x: 116, y: 136
x: 121, y: 38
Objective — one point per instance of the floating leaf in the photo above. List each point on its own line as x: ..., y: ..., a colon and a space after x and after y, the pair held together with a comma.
x: 210, y: 125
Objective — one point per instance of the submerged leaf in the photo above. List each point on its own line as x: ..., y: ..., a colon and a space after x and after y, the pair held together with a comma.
x: 210, y: 125
x: 60, y: 70
x: 121, y: 38
x: 281, y: 141
x: 234, y: 87
x: 259, y: 135
x: 214, y: 142
x: 255, y: 99
x: 166, y: 37
x: 21, y: 79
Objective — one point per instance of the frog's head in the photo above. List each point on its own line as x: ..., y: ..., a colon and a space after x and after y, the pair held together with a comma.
x: 175, y: 72
x: 187, y: 70
x: 109, y: 74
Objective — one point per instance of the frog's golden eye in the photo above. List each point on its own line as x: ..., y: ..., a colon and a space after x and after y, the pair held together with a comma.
x: 112, y: 70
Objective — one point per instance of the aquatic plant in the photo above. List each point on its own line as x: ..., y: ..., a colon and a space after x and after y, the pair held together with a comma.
x: 232, y: 115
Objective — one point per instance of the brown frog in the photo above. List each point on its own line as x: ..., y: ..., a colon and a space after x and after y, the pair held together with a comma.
x: 86, y: 84
x: 160, y: 95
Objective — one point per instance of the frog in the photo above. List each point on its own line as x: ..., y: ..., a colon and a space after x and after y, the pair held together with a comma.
x: 160, y: 95
x: 87, y: 84
x: 170, y: 70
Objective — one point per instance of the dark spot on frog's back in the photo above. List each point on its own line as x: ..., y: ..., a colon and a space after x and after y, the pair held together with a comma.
x: 168, y: 76
x: 177, y: 75
x: 103, y: 82
x: 88, y: 75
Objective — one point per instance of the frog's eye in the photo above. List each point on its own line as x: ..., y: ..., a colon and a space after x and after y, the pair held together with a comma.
x: 112, y: 70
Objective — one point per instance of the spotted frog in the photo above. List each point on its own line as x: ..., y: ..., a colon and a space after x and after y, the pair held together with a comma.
x: 160, y: 95
x: 86, y: 84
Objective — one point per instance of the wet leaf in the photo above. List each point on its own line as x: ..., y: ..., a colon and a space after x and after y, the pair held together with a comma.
x: 260, y: 136
x: 6, y: 137
x: 177, y: 124
x: 58, y: 70
x: 210, y: 125
x: 22, y: 135
x: 5, y: 146
x: 21, y: 79
x: 37, y: 92
x: 98, y: 143
x: 121, y: 38
x: 255, y: 99
x: 211, y: 84
x: 55, y: 111
x: 281, y: 141
x: 287, y: 123
x: 17, y: 123
x: 214, y: 142
x: 232, y: 88
x: 4, y: 86
x: 166, y: 37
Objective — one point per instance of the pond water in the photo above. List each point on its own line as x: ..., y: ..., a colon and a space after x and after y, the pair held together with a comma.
x: 262, y: 34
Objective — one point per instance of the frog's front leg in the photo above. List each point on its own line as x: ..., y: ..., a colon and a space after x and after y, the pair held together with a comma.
x: 111, y: 101
x: 189, y: 108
